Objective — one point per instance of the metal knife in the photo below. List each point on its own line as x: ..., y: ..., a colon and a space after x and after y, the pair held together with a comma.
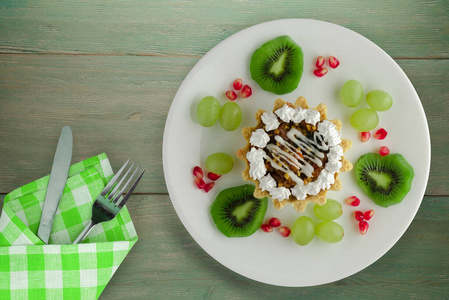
x: 56, y: 184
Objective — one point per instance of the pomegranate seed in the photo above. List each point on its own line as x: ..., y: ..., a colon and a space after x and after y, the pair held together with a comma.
x: 365, y: 136
x: 246, y: 91
x: 237, y: 84
x: 274, y: 222
x: 363, y: 227
x: 320, y: 62
x: 358, y: 215
x: 284, y: 231
x: 198, y: 172
x: 368, y: 214
x: 200, y: 183
x: 384, y: 150
x: 333, y: 62
x: 231, y: 95
x: 353, y: 201
x: 266, y: 228
x: 320, y: 72
x: 209, y: 186
x: 380, y: 134
x: 213, y: 176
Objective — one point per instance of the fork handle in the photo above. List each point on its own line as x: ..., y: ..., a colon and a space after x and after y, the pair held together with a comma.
x: 83, y: 233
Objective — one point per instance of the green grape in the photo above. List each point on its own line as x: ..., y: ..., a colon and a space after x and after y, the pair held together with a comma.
x: 329, y: 231
x: 364, y: 119
x: 303, y: 230
x: 379, y: 100
x: 219, y: 163
x: 331, y: 210
x: 208, y: 111
x: 230, y: 116
x: 351, y: 93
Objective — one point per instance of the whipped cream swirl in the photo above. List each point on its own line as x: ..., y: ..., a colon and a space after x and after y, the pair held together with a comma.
x: 259, y: 138
x: 325, y: 141
x: 256, y: 160
x: 270, y: 120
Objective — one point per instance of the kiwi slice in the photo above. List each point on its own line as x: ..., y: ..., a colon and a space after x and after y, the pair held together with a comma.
x: 236, y: 212
x: 277, y: 65
x: 385, y: 179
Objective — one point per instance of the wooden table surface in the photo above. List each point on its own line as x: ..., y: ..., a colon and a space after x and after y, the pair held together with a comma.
x: 110, y: 70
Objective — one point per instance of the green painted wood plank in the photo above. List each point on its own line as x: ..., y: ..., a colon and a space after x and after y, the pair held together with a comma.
x: 119, y: 105
x: 166, y: 263
x: 403, y: 28
x: 111, y: 103
x: 432, y: 85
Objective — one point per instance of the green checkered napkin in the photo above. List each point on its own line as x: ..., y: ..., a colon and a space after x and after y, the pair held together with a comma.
x: 29, y: 269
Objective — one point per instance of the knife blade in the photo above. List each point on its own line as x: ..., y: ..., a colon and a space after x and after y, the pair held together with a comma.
x: 56, y: 183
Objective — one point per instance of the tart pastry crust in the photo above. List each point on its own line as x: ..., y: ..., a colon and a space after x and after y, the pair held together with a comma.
x: 299, y: 205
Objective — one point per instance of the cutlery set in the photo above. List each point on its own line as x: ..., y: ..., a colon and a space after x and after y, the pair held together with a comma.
x: 106, y: 206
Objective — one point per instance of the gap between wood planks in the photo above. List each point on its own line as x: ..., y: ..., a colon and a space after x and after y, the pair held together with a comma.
x: 35, y: 52
x: 30, y: 52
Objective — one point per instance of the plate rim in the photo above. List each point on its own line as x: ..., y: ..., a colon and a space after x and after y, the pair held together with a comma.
x: 200, y: 63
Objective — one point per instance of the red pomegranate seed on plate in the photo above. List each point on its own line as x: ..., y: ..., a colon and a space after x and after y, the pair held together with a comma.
x: 384, y: 150
x: 198, y: 172
x: 333, y: 62
x: 266, y: 228
x: 209, y: 186
x: 320, y: 62
x: 367, y: 215
x: 237, y: 85
x: 246, y: 91
x: 363, y: 227
x: 358, y: 215
x: 274, y: 222
x: 284, y: 231
x: 380, y: 134
x: 365, y: 136
x: 231, y: 95
x: 200, y: 183
x: 320, y: 72
x: 213, y: 176
x: 353, y: 201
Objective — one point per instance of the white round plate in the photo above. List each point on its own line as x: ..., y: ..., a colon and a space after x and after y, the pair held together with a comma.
x: 271, y: 258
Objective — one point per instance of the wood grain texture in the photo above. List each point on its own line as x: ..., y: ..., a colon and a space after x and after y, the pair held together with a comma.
x: 166, y: 258
x: 119, y: 104
x: 110, y: 102
x: 166, y: 263
x: 110, y: 69
x: 403, y: 28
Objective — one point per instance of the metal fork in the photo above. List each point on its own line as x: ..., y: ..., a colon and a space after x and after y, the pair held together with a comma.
x: 109, y: 203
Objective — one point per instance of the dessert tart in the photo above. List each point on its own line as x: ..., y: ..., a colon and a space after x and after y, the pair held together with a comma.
x: 294, y: 154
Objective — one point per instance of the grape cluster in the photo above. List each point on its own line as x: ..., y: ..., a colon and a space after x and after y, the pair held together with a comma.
x: 364, y: 119
x: 209, y: 111
x: 304, y: 229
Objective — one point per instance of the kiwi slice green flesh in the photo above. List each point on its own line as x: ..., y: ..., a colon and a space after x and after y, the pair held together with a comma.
x: 385, y: 179
x: 237, y: 213
x: 277, y: 65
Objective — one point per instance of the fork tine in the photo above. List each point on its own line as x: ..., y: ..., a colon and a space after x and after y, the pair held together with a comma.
x: 114, y: 191
x: 105, y: 191
x: 118, y: 195
x: 125, y: 199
